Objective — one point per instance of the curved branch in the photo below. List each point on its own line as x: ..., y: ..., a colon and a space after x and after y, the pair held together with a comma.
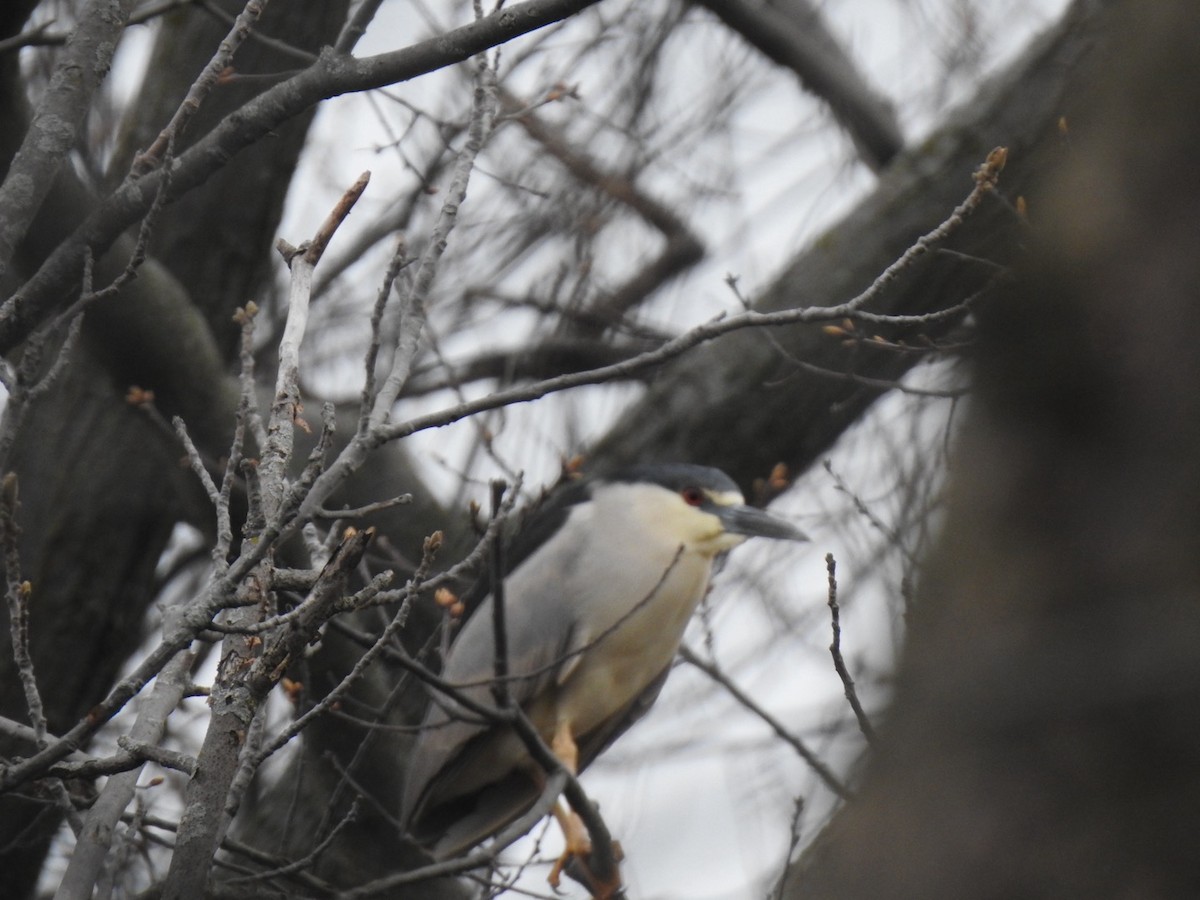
x: 802, y: 43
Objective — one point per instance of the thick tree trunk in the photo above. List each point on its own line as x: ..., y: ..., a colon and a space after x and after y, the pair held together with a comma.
x: 1045, y: 735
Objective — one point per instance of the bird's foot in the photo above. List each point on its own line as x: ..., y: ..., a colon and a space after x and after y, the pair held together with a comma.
x: 579, y: 845
x: 599, y: 873
x: 576, y: 861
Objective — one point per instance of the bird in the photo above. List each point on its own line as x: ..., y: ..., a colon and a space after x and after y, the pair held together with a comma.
x: 595, y: 615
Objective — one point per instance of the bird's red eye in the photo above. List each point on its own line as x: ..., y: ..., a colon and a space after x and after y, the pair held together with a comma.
x: 692, y: 496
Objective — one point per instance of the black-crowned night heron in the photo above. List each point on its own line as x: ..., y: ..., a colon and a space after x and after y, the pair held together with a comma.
x: 594, y: 618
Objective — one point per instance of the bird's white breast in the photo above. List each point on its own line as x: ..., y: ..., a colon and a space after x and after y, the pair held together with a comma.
x: 630, y: 597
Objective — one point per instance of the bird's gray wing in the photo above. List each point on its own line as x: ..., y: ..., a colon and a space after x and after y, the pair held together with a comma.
x: 464, y: 781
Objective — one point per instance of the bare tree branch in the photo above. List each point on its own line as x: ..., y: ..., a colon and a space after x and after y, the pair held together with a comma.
x: 483, y: 113
x: 985, y: 182
x: 801, y: 42
x: 201, y: 828
x: 681, y: 249
x: 55, y: 127
x: 95, y: 839
x: 330, y: 76
x: 835, y: 649
x: 153, y: 154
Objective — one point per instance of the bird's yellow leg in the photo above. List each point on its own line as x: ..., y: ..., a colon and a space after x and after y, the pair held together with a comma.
x: 575, y: 833
x: 564, y: 747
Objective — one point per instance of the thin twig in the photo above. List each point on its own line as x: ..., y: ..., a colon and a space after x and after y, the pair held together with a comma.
x: 248, y: 411
x: 17, y: 593
x: 602, y: 861
x: 370, y: 359
x: 247, y: 769
x: 89, y: 295
x: 823, y: 771
x: 337, y: 215
x: 793, y: 842
x: 478, y: 859
x: 483, y: 113
x: 305, y: 862
x: 499, y: 625
x: 714, y: 328
x: 24, y: 385
x: 302, y: 56
x: 986, y: 177
x: 286, y: 408
x: 25, y: 734
x: 835, y: 648
x: 197, y: 464
x: 865, y: 510
x: 200, y: 88
x: 880, y: 384
x: 368, y: 509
